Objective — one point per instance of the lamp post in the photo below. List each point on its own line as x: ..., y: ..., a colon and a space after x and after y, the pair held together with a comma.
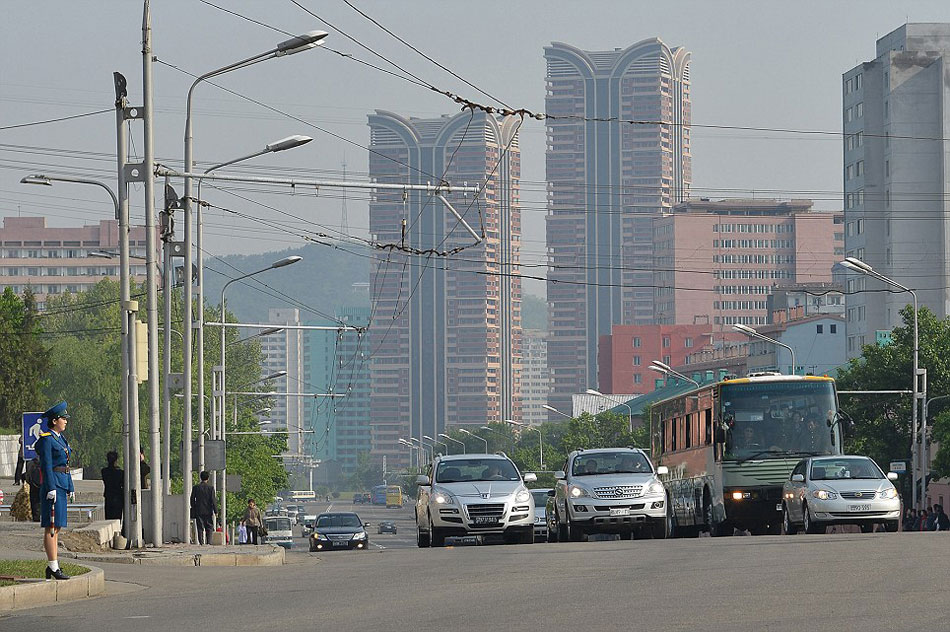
x: 286, y: 261
x: 448, y: 438
x: 666, y: 369
x: 411, y: 447
x: 499, y: 433
x: 752, y: 333
x: 538, y: 430
x: 856, y: 265
x: 472, y: 434
x: 435, y: 443
x: 421, y: 446
x: 595, y: 393
x: 555, y: 410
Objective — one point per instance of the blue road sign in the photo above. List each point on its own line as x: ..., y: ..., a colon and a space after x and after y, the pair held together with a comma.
x: 33, y: 425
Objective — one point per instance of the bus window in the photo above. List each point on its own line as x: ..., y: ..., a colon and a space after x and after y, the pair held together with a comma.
x: 689, y: 430
x: 673, y: 437
x: 707, y: 415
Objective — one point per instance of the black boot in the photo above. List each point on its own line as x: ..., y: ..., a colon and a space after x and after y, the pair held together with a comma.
x: 58, y: 573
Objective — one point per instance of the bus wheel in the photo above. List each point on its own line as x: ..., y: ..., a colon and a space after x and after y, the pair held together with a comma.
x: 707, y: 525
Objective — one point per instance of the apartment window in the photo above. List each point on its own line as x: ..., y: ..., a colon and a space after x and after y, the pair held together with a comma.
x: 849, y: 172
x: 13, y: 253
x: 688, y: 343
x: 860, y: 197
x: 860, y: 224
x: 849, y: 143
x: 636, y: 341
x: 833, y: 328
x: 636, y: 360
x: 820, y: 329
x: 859, y: 139
x: 637, y: 378
x: 33, y: 272
x: 666, y: 342
x: 857, y: 81
x: 52, y: 289
x: 667, y: 360
x: 52, y: 272
x: 849, y: 115
x: 849, y: 86
x: 859, y: 169
x: 858, y: 110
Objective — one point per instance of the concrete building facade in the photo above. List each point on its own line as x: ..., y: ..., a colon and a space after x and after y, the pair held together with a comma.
x: 818, y: 341
x: 896, y: 171
x: 450, y: 353
x: 283, y: 351
x: 606, y: 181
x: 625, y: 355
x: 535, y: 377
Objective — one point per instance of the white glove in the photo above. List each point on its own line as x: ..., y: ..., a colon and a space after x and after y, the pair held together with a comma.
x: 51, y: 495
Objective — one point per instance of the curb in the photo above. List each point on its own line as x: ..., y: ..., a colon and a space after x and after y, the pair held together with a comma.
x: 171, y: 558
x: 43, y: 593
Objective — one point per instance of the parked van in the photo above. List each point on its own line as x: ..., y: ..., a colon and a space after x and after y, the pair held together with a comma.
x: 279, y: 531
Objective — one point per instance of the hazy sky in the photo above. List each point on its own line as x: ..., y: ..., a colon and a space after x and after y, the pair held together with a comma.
x: 760, y: 64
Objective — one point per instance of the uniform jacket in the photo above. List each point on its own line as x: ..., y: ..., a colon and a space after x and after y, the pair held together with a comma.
x: 203, y: 500
x: 53, y: 452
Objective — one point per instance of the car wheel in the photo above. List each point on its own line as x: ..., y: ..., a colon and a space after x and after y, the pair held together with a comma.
x: 562, y: 533
x: 787, y: 527
x: 891, y: 526
x: 663, y: 529
x: 436, y: 537
x: 810, y: 525
x: 574, y: 534
x: 626, y: 534
x: 422, y: 539
x: 552, y: 532
x: 867, y: 528
x: 527, y: 536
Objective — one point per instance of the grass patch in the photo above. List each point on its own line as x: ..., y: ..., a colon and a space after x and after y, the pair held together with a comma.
x: 35, y: 569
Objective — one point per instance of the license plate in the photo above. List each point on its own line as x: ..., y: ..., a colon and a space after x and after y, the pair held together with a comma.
x: 485, y: 520
x: 859, y: 507
x: 622, y: 511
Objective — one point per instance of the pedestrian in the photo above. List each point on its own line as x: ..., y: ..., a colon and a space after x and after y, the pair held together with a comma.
x: 252, y: 520
x: 204, y: 504
x: 144, y: 469
x: 941, y: 520
x: 931, y: 519
x: 19, y: 475
x: 113, y: 487
x: 909, y: 516
x: 53, y: 451
x: 921, y: 524
x: 242, y: 533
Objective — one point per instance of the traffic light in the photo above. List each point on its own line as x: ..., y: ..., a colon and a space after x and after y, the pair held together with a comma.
x: 141, y: 351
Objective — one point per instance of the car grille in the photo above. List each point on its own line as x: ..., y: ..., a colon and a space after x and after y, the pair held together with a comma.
x: 859, y: 495
x: 619, y: 491
x: 493, y: 510
x: 339, y: 536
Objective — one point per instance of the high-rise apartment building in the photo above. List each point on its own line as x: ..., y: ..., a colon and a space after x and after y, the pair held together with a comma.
x: 52, y: 260
x: 535, y: 377
x: 896, y: 182
x: 283, y: 351
x: 607, y: 178
x: 446, y: 341
x: 717, y: 262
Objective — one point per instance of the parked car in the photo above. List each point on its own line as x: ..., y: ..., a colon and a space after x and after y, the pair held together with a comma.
x: 474, y: 494
x: 386, y: 526
x: 843, y: 489
x: 610, y: 490
x: 541, y: 496
x: 342, y: 530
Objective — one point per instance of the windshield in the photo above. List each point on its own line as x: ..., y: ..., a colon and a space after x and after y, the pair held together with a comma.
x: 540, y: 497
x: 278, y: 524
x: 475, y: 469
x: 624, y: 462
x: 779, y: 418
x: 838, y: 469
x: 338, y: 520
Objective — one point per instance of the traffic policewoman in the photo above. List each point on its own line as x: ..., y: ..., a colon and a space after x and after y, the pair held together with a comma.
x: 53, y: 452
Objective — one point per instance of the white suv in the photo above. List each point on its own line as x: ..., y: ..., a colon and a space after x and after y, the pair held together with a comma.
x: 474, y: 494
x: 610, y: 490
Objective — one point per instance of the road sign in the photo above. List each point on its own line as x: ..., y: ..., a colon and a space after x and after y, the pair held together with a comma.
x: 899, y: 467
x: 33, y: 425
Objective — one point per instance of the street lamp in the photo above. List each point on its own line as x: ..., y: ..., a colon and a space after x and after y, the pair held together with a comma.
x: 499, y: 433
x: 411, y: 448
x: 752, y: 333
x: 186, y: 464
x: 436, y: 443
x: 856, y: 265
x: 472, y: 434
x: 555, y: 410
x: 461, y: 443
x: 666, y: 369
x: 538, y: 430
x: 423, y: 447
x: 595, y: 393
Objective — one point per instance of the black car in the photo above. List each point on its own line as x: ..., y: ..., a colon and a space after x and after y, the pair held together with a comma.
x: 386, y: 526
x: 343, y: 530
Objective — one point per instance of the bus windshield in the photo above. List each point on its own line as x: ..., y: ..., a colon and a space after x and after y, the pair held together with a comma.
x: 777, y: 418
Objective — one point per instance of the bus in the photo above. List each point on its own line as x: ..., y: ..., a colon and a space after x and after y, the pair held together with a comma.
x: 393, y: 497
x: 730, y: 446
x: 304, y: 494
x: 378, y: 495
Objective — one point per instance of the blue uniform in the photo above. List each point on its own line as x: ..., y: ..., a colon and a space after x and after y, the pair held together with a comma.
x: 53, y: 452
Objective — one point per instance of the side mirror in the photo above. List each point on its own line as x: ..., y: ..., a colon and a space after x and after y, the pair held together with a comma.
x: 550, y: 492
x: 798, y: 478
x: 422, y: 479
x: 662, y: 470
x: 530, y: 477
x: 367, y: 524
x: 560, y: 475
x: 892, y: 476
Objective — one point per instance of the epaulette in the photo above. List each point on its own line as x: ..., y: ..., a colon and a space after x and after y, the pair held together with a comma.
x: 45, y: 434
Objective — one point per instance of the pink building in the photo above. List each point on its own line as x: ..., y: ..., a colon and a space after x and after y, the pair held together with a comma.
x: 720, y: 260
x: 625, y: 355
x: 52, y: 261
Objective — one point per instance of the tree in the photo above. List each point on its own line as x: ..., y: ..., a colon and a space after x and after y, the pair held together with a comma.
x: 24, y: 359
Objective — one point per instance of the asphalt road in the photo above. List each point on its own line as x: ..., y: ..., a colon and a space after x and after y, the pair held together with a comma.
x: 880, y: 581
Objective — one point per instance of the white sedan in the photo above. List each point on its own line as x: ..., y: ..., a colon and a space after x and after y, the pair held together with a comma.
x: 843, y: 489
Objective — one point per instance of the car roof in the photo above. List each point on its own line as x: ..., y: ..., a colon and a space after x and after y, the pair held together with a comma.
x: 607, y: 451
x: 339, y: 513
x: 828, y: 457
x: 462, y: 457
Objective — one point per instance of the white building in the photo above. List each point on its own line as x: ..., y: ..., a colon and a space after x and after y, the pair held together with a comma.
x: 535, y: 377
x: 283, y: 351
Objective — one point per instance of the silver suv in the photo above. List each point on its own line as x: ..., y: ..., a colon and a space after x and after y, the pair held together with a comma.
x: 474, y: 494
x: 610, y: 490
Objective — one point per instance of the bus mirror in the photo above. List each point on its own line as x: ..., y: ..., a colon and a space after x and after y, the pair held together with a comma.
x: 662, y: 470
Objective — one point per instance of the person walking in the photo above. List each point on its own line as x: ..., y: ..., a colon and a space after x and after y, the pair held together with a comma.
x: 253, y: 520
x: 204, y: 504
x: 144, y: 469
x: 941, y: 520
x: 113, y: 487
x: 19, y: 475
x: 53, y: 452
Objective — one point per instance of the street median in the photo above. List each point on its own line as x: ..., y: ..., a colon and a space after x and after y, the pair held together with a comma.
x: 28, y: 589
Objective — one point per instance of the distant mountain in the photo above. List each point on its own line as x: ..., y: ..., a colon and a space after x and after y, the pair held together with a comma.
x: 322, y: 282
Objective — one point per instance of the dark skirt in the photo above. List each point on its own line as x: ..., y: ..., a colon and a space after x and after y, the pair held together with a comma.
x: 58, y: 512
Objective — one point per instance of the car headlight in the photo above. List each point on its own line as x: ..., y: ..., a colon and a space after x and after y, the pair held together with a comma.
x: 442, y: 497
x: 889, y: 493
x: 577, y: 491
x: 654, y: 488
x: 824, y: 494
x: 359, y: 536
x: 522, y: 496
x: 319, y: 536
